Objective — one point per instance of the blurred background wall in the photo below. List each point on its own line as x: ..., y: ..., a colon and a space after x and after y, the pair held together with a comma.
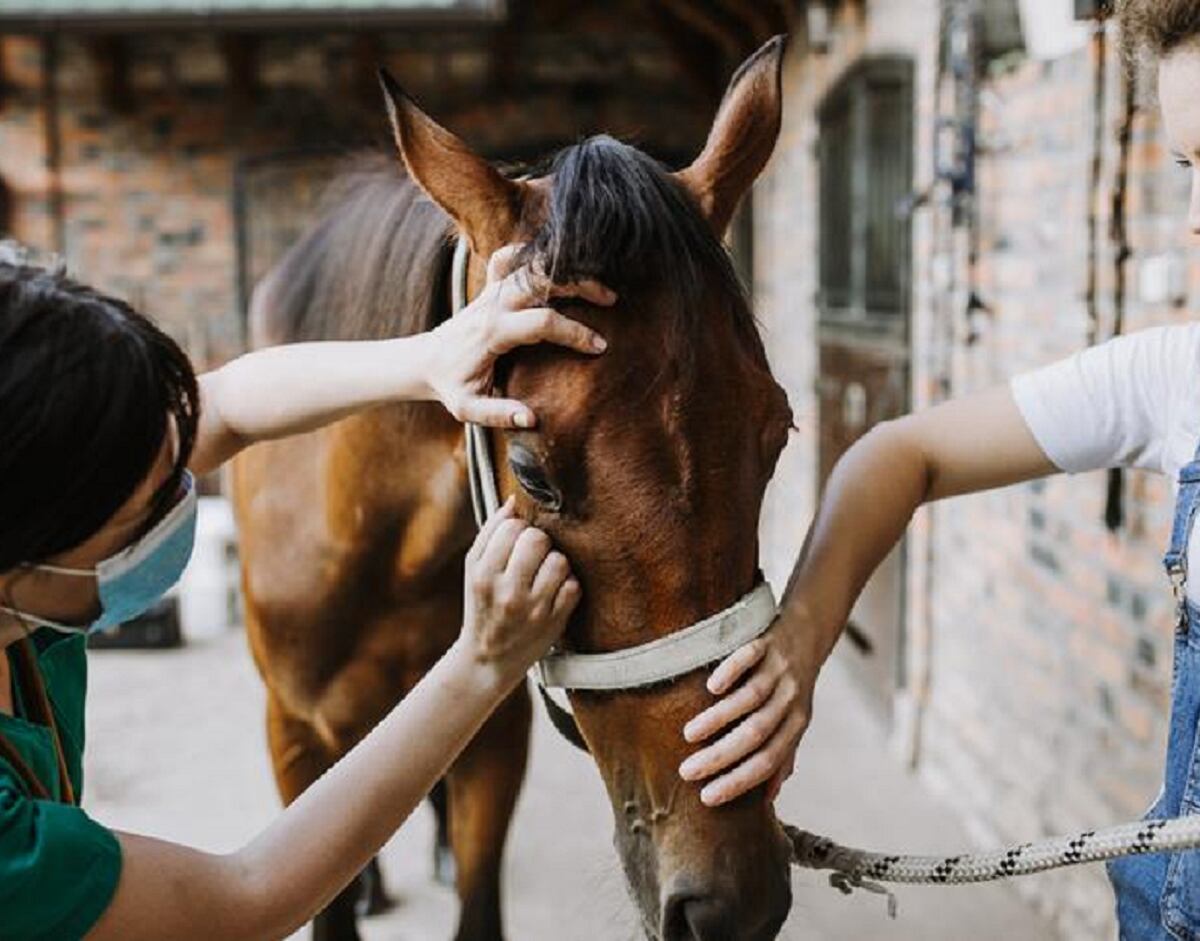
x: 170, y: 151
x: 964, y: 189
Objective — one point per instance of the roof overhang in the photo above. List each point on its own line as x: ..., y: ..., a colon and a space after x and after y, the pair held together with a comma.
x: 29, y: 16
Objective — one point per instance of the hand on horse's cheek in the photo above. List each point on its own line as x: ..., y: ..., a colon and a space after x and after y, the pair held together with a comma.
x: 750, y: 734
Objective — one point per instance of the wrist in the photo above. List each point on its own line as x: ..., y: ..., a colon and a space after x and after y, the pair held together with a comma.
x: 811, y: 636
x: 482, y: 673
x: 417, y: 382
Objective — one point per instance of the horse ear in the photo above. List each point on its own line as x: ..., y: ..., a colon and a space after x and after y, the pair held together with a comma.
x: 742, y: 137
x: 484, y: 204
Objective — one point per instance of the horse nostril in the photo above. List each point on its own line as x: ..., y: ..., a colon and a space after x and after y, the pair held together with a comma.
x: 697, y: 918
x: 708, y: 918
x: 755, y: 913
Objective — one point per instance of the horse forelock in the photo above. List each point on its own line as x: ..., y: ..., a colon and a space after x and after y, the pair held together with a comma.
x: 617, y: 215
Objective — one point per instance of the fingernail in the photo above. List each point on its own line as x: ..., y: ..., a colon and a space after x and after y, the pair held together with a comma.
x: 708, y: 797
x: 687, y: 770
x: 689, y: 731
x: 523, y: 419
x: 599, y: 344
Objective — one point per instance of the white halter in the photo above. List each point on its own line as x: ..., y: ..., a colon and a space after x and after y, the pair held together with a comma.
x: 664, y: 659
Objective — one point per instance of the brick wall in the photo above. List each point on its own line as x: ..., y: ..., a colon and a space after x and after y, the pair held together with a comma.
x: 148, y: 189
x: 1039, y: 647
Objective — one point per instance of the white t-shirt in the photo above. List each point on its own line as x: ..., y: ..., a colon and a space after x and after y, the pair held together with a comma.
x: 1131, y: 402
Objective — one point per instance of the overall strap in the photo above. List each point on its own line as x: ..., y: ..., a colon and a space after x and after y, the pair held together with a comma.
x: 1186, y: 505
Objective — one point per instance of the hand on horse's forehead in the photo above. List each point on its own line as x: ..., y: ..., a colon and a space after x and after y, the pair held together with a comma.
x: 535, y: 288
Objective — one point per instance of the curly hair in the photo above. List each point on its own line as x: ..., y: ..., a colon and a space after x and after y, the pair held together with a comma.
x: 1157, y: 27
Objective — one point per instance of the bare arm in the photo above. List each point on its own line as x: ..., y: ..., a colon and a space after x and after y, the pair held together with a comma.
x: 290, y: 871
x: 973, y: 444
x: 288, y: 390
x: 519, y: 596
x: 965, y: 446
x: 293, y: 869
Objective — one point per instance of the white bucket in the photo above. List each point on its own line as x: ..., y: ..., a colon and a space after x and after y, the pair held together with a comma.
x: 209, y: 592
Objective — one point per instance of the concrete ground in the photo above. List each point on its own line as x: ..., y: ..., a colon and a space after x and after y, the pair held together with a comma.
x: 176, y: 750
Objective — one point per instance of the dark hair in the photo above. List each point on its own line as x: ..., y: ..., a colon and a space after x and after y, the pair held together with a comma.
x: 1158, y: 26
x: 86, y: 388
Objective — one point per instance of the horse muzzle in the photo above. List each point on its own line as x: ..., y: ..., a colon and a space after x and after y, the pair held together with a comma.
x: 694, y: 912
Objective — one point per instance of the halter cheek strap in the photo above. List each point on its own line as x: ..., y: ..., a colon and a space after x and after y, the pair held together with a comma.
x: 481, y: 473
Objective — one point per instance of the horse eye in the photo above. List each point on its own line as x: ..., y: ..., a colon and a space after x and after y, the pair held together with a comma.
x: 533, y: 481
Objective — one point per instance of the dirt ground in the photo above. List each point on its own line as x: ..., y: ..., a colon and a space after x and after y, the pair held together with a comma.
x: 177, y: 750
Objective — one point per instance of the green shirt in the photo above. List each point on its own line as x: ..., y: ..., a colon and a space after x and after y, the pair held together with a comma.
x: 58, y: 867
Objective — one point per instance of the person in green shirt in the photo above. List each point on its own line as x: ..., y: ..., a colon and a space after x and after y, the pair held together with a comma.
x: 102, y: 426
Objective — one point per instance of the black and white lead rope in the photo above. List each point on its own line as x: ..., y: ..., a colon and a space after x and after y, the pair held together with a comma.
x: 858, y: 869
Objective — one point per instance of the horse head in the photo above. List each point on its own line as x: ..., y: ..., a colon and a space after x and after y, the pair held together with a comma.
x: 648, y: 464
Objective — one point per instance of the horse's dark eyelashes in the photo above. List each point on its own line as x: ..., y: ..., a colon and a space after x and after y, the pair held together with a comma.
x: 534, y: 482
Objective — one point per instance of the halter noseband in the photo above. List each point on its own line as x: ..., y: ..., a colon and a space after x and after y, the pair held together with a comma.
x: 658, y: 661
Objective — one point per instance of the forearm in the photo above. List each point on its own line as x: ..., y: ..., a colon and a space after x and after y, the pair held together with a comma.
x: 869, y: 500
x: 356, y: 807
x: 319, y: 843
x: 964, y: 446
x: 767, y: 686
x: 287, y: 390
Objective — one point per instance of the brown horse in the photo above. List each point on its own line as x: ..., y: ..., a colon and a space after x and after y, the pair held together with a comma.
x: 648, y: 468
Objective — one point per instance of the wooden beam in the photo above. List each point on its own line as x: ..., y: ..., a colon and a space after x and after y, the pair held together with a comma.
x: 53, y: 143
x: 756, y: 17
x: 694, y: 54
x: 110, y: 59
x: 366, y: 51
x: 785, y: 14
x: 240, y: 52
x: 507, y: 42
x: 6, y: 209
x: 287, y: 19
x: 4, y: 85
x: 710, y: 23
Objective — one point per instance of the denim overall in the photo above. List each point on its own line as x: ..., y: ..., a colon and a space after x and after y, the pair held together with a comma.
x: 1158, y: 897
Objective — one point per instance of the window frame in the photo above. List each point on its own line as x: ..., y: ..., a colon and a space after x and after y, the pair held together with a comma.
x: 851, y: 306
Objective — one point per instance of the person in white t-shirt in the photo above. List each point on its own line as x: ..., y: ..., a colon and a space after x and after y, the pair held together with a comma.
x: 1133, y: 402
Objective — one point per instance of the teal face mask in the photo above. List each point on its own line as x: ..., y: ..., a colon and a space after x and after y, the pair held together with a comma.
x: 130, y: 582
